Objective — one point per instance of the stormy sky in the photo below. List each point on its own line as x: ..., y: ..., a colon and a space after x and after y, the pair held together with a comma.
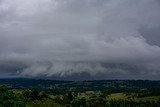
x: 80, y: 39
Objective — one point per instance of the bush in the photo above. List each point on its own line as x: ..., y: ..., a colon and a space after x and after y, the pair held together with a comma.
x: 9, y: 99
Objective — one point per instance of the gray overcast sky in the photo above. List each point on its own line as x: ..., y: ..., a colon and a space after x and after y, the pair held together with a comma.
x: 80, y: 39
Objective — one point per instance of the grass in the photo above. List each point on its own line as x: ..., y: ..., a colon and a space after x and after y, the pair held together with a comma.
x: 122, y: 96
x: 117, y: 96
x: 150, y: 98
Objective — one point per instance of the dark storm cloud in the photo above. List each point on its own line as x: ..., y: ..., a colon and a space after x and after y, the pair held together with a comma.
x: 72, y: 38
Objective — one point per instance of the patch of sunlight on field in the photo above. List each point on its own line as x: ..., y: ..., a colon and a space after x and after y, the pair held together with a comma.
x: 117, y: 96
x: 122, y: 96
x: 150, y: 98
x: 18, y: 91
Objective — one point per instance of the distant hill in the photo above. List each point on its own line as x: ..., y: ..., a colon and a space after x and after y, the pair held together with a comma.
x: 80, y: 86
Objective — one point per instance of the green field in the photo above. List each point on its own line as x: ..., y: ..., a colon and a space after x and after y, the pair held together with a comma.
x: 80, y: 94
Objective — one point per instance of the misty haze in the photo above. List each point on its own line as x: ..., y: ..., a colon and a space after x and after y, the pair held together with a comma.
x: 80, y: 40
x: 68, y: 38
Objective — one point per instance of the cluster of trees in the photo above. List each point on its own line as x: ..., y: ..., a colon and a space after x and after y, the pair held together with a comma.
x: 33, y: 95
x: 37, y: 98
x: 148, y: 92
x: 9, y: 99
x: 61, y: 87
x: 73, y: 100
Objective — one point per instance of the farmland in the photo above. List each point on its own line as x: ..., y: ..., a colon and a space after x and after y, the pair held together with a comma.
x: 98, y: 93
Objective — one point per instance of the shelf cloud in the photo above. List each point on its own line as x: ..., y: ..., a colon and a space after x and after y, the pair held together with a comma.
x: 80, y: 39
